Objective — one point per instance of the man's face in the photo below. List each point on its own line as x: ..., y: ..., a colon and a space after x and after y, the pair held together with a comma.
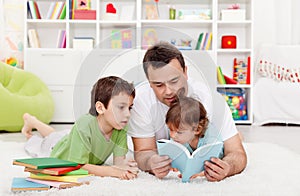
x: 166, y: 81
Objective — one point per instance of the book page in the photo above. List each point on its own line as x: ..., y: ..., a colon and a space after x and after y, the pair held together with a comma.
x: 196, y: 163
x: 177, y: 152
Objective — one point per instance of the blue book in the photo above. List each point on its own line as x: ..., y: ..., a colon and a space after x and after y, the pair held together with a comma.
x: 188, y: 164
x: 21, y: 184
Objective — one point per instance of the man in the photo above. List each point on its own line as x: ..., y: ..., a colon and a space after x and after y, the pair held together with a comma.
x: 166, y: 72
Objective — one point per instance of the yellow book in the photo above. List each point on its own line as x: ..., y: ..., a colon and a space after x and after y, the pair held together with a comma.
x: 71, y: 178
x: 208, y: 41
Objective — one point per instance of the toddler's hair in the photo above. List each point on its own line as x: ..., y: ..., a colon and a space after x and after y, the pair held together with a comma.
x: 187, y: 111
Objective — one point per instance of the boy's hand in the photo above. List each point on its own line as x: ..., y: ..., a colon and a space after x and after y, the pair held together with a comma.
x: 129, y: 167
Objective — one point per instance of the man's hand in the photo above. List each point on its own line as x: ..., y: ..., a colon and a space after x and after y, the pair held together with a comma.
x: 160, y: 165
x: 216, y: 169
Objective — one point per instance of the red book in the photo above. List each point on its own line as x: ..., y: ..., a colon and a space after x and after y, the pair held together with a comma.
x: 37, y: 11
x: 56, y: 171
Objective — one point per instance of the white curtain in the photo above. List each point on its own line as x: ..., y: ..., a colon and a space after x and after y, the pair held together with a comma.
x: 295, y: 22
x: 287, y: 14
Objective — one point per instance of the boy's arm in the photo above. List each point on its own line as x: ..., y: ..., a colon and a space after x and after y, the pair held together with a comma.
x: 145, y: 153
x: 233, y: 162
x: 111, y: 171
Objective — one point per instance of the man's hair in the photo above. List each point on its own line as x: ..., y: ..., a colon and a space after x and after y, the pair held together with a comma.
x: 187, y: 111
x: 105, y: 88
x: 161, y: 54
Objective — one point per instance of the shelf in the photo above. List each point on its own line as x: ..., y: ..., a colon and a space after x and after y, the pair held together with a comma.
x: 132, y: 20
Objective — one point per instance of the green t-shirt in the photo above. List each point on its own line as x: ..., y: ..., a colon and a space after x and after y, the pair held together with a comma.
x: 86, y: 143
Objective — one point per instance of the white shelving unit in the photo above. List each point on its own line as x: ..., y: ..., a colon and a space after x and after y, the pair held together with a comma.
x: 59, y: 67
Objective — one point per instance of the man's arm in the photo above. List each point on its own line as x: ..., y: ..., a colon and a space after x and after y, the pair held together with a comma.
x: 145, y: 154
x: 233, y: 162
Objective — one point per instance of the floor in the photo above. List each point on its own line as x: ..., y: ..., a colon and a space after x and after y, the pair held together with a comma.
x: 287, y: 136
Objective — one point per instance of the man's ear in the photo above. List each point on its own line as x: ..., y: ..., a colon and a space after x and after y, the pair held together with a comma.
x: 99, y: 107
x: 185, y: 72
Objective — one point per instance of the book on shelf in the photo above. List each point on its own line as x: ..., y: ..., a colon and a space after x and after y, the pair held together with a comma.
x: 204, y: 41
x: 208, y: 43
x: 59, y: 7
x: 56, y: 184
x: 53, y: 171
x: 21, y: 184
x: 61, y: 39
x: 64, y: 178
x: 33, y: 39
x: 220, y: 76
x: 43, y: 162
x: 33, y: 9
x: 188, y: 164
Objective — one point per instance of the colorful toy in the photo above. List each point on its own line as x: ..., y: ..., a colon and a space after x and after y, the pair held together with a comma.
x: 121, y: 38
x: 11, y: 61
x: 235, y: 98
x: 149, y: 38
x: 228, y: 41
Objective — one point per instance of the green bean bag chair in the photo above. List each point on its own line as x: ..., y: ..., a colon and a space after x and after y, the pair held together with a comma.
x: 22, y: 92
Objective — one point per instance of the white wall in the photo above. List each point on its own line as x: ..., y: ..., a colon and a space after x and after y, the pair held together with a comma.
x: 276, y: 22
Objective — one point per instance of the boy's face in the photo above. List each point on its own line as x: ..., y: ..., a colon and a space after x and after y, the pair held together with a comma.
x: 118, y: 110
x: 167, y: 80
x: 183, y: 134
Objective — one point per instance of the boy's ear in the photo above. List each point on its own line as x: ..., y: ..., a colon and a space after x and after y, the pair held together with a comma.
x: 99, y: 107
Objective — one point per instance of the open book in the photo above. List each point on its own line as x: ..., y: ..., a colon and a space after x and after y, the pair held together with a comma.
x: 188, y: 164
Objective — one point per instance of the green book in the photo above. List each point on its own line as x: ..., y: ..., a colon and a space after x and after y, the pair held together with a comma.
x: 45, y: 162
x: 199, y: 41
x: 63, y: 13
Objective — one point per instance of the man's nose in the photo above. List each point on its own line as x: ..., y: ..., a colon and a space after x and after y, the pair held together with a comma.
x: 169, y: 89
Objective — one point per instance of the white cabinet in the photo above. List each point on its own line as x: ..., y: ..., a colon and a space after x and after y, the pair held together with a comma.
x: 62, y: 68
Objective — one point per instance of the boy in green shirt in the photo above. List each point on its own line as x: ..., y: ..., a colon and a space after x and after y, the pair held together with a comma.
x: 94, y: 136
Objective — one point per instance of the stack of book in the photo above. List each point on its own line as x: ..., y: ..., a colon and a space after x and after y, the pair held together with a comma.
x: 47, y: 172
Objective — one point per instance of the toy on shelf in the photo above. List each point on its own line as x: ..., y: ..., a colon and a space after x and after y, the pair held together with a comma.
x: 185, y: 44
x: 83, y: 4
x: 110, y: 13
x: 223, y: 79
x: 149, y: 38
x: 82, y: 10
x: 229, y: 41
x: 235, y: 98
x: 241, y: 71
x: 121, y: 39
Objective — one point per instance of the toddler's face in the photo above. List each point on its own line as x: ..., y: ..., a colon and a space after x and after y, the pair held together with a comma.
x: 118, y: 110
x: 183, y: 134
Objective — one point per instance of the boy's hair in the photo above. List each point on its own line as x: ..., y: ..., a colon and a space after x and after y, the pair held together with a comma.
x: 188, y: 111
x: 105, y: 88
x: 161, y: 54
